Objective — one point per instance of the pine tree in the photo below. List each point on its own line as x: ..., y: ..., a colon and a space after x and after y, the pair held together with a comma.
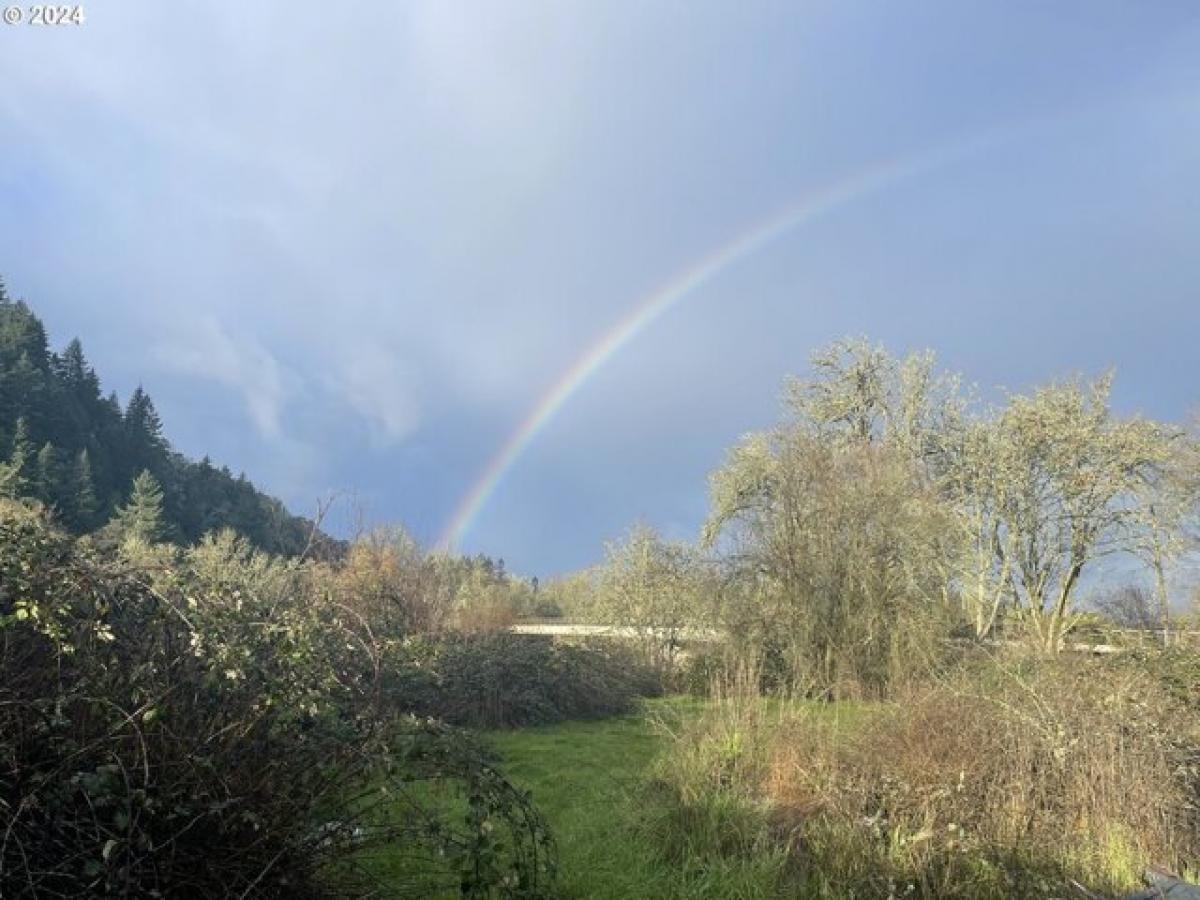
x: 74, y: 371
x: 24, y: 370
x: 78, y: 390
x: 21, y: 462
x: 142, y: 517
x: 144, y: 433
x: 142, y: 418
x: 22, y: 334
x: 83, y: 504
x: 48, y: 476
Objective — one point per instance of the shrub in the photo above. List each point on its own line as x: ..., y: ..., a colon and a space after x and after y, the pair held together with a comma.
x: 503, y: 680
x: 484, y: 615
x: 174, y: 733
x: 710, y: 669
x: 547, y: 609
x: 388, y: 580
x: 1176, y: 671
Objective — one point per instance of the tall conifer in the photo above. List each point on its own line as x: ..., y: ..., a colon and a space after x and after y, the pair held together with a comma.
x: 83, y: 506
x: 142, y: 517
x: 47, y: 475
x: 22, y: 461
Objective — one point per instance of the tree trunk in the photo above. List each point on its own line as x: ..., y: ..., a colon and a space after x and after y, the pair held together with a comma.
x: 1164, y: 599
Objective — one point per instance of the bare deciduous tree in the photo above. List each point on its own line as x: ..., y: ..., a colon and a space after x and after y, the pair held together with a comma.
x: 841, y: 544
x: 1070, y: 469
x: 652, y: 585
x: 978, y: 563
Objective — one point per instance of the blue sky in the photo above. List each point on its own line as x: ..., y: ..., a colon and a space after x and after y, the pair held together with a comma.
x: 346, y: 247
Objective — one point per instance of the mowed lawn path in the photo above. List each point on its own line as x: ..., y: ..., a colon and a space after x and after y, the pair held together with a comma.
x: 590, y: 781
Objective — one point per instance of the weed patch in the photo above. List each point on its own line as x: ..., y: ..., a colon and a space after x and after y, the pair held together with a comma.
x: 1000, y: 781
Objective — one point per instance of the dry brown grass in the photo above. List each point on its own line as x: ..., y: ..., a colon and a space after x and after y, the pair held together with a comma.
x: 1005, y: 780
x: 1069, y: 766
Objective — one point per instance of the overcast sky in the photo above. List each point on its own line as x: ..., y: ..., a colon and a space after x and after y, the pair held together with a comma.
x: 347, y: 246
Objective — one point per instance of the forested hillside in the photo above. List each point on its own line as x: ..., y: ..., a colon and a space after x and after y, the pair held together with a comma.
x: 66, y: 444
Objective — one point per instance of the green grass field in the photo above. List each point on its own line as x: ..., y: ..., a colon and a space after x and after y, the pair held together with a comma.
x: 590, y: 781
x: 593, y: 781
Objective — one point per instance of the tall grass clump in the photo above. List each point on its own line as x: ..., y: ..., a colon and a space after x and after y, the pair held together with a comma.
x: 707, y: 814
x: 1005, y: 779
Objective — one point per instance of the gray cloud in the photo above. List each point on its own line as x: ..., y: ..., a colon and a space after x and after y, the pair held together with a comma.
x: 206, y: 351
x: 338, y: 243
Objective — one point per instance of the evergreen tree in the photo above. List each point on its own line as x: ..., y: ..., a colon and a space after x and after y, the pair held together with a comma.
x: 74, y: 372
x: 107, y: 444
x: 142, y: 420
x: 77, y: 391
x: 24, y: 392
x: 142, y: 517
x: 22, y: 334
x: 24, y: 362
x: 83, y: 504
x: 147, y: 448
x: 22, y: 462
x: 48, y: 477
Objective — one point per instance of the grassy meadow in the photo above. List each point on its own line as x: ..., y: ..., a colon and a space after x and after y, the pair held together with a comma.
x: 938, y: 794
x: 594, y: 783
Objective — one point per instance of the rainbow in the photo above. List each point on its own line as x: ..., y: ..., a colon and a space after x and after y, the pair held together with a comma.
x: 686, y: 283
